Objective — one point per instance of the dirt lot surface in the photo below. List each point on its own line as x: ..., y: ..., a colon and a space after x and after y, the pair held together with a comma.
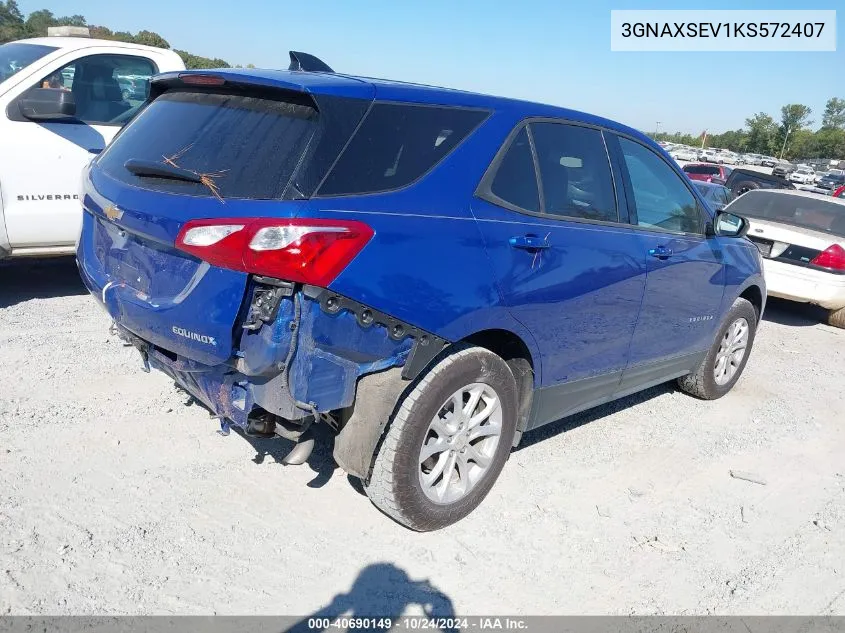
x: 118, y: 498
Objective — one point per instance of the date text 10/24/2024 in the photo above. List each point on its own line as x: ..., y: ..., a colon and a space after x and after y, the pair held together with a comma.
x: 417, y: 623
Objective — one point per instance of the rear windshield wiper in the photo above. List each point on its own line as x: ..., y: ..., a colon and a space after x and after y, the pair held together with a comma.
x: 155, y: 169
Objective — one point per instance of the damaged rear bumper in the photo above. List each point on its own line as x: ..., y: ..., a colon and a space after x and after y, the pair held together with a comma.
x: 304, y: 357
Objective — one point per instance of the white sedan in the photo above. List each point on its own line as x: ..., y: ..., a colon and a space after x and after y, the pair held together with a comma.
x: 803, y: 176
x: 684, y: 153
x: 801, y: 236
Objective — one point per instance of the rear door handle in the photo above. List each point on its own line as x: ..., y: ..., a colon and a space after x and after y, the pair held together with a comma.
x: 529, y: 242
x: 660, y: 252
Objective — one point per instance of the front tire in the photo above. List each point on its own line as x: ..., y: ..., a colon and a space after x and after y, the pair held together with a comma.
x: 448, y: 441
x: 727, y: 357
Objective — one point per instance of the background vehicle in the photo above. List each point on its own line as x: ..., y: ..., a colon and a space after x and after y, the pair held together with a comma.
x: 768, y: 161
x: 717, y: 196
x: 783, y: 169
x: 801, y: 235
x: 684, y: 153
x: 707, y: 173
x: 61, y: 101
x: 742, y: 180
x: 832, y: 181
x: 710, y: 156
x: 753, y: 159
x: 265, y: 292
x: 803, y: 176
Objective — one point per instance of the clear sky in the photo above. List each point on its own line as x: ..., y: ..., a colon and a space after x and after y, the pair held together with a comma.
x: 554, y: 51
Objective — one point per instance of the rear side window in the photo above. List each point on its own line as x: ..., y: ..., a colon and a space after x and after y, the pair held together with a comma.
x: 396, y: 145
x: 516, y: 180
x: 247, y: 147
x: 574, y: 172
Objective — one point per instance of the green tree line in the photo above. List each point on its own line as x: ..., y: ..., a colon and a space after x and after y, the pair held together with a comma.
x: 14, y: 26
x: 793, y: 133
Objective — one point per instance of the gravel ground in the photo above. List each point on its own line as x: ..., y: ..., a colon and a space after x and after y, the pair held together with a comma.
x: 117, y: 498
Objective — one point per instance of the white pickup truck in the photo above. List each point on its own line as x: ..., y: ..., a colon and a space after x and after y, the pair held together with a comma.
x: 62, y: 99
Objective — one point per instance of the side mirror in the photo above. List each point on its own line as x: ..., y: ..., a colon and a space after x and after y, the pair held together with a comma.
x: 47, y: 104
x: 730, y: 225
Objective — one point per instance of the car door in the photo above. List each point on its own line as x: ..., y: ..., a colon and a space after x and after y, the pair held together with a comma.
x: 685, y: 279
x: 42, y: 161
x: 566, y: 262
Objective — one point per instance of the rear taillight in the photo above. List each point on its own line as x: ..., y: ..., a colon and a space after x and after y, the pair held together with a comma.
x: 302, y: 250
x: 832, y: 257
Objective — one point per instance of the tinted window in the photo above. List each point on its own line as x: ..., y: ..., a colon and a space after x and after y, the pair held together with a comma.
x: 574, y: 172
x: 248, y: 147
x: 397, y: 144
x: 107, y: 89
x: 660, y: 195
x: 706, y: 170
x: 15, y: 57
x: 516, y: 180
x: 808, y: 212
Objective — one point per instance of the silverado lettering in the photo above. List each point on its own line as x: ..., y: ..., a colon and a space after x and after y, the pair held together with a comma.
x: 40, y: 197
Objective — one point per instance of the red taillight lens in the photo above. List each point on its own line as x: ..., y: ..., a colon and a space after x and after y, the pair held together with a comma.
x: 832, y: 257
x: 303, y: 250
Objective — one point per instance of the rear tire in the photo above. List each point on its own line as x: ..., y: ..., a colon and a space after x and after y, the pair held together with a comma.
x: 722, y: 367
x: 429, y: 440
x: 836, y: 318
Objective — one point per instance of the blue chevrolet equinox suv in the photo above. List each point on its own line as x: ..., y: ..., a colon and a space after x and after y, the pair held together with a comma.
x: 429, y: 272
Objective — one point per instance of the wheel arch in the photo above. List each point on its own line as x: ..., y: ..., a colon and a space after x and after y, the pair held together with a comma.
x: 756, y: 296
x: 517, y: 354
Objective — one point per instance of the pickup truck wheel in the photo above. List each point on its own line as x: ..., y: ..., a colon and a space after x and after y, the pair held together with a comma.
x: 447, y: 442
x: 836, y: 318
x: 724, y: 363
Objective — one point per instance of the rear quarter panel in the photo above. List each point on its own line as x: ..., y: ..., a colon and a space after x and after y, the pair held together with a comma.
x: 427, y: 263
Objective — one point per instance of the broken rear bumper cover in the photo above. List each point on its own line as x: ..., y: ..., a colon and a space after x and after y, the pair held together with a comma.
x: 303, y: 357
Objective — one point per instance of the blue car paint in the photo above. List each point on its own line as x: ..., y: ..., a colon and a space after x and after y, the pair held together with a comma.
x: 593, y: 305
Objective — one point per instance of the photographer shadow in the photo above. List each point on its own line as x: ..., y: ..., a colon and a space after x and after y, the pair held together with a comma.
x: 382, y: 592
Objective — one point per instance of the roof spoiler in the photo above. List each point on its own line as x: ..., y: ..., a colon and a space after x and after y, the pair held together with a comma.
x: 308, y: 63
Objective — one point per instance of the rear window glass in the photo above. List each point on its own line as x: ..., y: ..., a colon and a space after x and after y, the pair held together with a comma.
x: 397, y: 144
x: 802, y: 211
x: 706, y: 170
x: 247, y: 147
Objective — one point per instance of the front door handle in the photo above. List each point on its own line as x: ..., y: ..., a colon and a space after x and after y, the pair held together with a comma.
x: 660, y: 252
x: 529, y: 242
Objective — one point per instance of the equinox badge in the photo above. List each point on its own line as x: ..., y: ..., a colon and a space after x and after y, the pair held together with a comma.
x: 201, y: 338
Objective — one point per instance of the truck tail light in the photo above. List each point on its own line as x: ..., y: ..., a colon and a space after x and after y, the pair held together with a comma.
x: 832, y: 257
x: 300, y: 250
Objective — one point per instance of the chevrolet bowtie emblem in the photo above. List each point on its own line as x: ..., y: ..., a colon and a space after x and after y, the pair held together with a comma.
x: 113, y: 213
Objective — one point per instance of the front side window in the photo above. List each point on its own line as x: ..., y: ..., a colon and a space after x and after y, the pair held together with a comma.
x: 107, y: 89
x: 397, y: 144
x: 574, y: 172
x: 661, y: 198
